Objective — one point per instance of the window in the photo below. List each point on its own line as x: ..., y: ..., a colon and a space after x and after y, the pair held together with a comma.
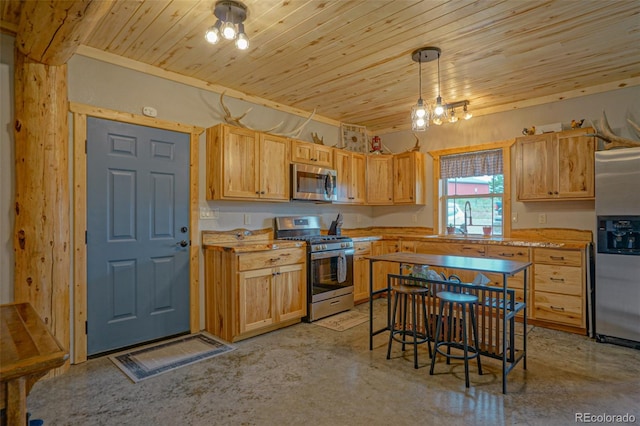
x: 472, y: 188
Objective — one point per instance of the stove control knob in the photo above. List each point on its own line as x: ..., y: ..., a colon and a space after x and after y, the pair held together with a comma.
x: 324, y: 247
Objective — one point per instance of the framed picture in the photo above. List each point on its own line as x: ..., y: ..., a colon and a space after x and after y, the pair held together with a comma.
x: 354, y: 138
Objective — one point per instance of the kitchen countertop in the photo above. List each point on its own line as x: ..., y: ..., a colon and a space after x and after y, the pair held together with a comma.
x: 251, y: 246
x: 476, y: 240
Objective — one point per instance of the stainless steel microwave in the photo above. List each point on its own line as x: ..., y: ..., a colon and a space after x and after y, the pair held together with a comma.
x: 313, y: 183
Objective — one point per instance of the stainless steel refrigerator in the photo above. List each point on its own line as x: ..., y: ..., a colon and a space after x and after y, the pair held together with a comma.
x: 617, y: 277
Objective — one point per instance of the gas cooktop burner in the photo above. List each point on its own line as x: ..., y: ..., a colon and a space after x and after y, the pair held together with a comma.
x: 307, y: 228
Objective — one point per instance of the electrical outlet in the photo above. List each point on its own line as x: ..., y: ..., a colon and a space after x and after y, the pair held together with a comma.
x: 247, y: 219
x: 414, y: 218
x: 542, y: 218
x: 514, y: 217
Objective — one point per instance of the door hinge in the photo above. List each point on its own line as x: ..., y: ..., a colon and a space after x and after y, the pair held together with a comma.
x: 86, y: 327
x: 85, y: 237
x: 85, y: 146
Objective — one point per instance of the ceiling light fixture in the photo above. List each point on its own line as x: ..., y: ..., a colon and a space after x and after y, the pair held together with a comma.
x: 441, y: 110
x: 229, y: 13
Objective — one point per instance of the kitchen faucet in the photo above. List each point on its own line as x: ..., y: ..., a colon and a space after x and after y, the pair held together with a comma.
x: 464, y: 229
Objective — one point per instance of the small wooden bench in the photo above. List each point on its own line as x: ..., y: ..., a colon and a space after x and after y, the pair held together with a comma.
x: 28, y: 351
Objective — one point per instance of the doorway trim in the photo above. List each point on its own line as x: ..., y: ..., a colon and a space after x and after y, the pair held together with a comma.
x: 79, y: 207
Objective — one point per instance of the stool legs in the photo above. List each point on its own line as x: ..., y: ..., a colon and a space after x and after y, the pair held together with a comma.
x: 417, y: 338
x: 449, y: 342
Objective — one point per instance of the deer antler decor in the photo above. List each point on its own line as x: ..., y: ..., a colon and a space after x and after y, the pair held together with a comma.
x: 610, y: 139
x: 416, y: 147
x: 237, y: 121
x: 316, y: 139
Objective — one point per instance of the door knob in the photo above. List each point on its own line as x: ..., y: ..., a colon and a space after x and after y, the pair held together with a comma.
x: 183, y: 243
x: 184, y: 229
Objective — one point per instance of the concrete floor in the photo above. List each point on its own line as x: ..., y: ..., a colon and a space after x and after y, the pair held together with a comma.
x: 307, y: 374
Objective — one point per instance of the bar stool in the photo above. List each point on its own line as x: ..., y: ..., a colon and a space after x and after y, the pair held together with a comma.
x: 412, y: 336
x: 464, y: 300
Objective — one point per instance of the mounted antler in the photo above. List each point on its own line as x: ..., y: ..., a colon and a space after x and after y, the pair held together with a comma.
x: 416, y: 147
x: 611, y: 140
x: 237, y: 121
x: 316, y: 139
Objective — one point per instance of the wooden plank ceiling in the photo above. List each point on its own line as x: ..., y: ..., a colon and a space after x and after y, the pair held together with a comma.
x: 351, y: 59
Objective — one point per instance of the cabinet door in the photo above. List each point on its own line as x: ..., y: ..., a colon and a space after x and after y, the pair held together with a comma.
x: 290, y: 292
x: 534, y: 169
x: 323, y: 155
x: 358, y: 178
x: 342, y: 164
x: 380, y: 179
x: 575, y: 165
x: 255, y: 299
x: 240, y: 163
x: 274, y: 168
x: 409, y: 178
x: 302, y: 152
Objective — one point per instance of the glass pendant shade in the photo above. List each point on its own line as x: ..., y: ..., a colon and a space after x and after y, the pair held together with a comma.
x: 228, y: 30
x: 439, y: 110
x: 419, y: 117
x: 453, y: 117
x: 213, y: 33
x: 467, y: 115
x: 242, y: 42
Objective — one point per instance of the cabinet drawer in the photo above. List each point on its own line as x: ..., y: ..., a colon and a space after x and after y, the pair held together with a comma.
x: 508, y: 252
x: 265, y: 259
x: 453, y: 249
x: 517, y: 281
x: 559, y: 279
x: 559, y: 308
x: 362, y: 248
x: 557, y: 257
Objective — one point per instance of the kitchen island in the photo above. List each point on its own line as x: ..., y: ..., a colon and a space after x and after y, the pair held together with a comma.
x: 503, y: 298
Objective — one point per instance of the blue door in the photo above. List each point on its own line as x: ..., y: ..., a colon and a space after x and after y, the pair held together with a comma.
x: 137, y: 234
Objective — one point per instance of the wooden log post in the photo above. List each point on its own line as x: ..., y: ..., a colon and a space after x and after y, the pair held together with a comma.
x: 48, y: 35
x: 42, y: 210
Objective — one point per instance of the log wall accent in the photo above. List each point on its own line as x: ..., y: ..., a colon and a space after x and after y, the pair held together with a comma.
x: 50, y: 31
x: 42, y: 220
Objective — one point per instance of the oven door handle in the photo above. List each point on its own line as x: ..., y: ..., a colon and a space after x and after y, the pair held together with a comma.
x: 331, y: 253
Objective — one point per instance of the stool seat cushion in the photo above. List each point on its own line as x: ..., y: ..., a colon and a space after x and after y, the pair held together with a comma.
x: 410, y: 289
x: 448, y: 296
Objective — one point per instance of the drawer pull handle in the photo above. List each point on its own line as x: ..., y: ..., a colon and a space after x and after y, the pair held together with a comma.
x: 554, y: 308
x: 274, y: 259
x: 558, y: 280
x: 557, y: 257
x: 507, y: 254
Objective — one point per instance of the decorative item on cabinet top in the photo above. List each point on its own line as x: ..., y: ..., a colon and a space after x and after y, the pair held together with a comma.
x: 275, y: 130
x: 354, y: 138
x: 611, y: 140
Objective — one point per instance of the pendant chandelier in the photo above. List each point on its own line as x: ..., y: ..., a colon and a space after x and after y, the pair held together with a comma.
x: 229, y: 13
x: 441, y: 111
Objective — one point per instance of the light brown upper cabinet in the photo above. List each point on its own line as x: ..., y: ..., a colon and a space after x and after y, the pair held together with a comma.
x: 351, y: 176
x: 311, y: 153
x: 409, y: 183
x: 243, y: 164
x: 380, y: 179
x: 556, y: 166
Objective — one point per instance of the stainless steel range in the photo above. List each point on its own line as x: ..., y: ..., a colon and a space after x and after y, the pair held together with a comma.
x: 329, y: 265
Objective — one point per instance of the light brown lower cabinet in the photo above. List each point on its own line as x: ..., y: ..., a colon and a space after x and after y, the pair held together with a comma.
x: 559, y: 287
x: 247, y: 294
x: 556, y: 295
x: 361, y: 271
